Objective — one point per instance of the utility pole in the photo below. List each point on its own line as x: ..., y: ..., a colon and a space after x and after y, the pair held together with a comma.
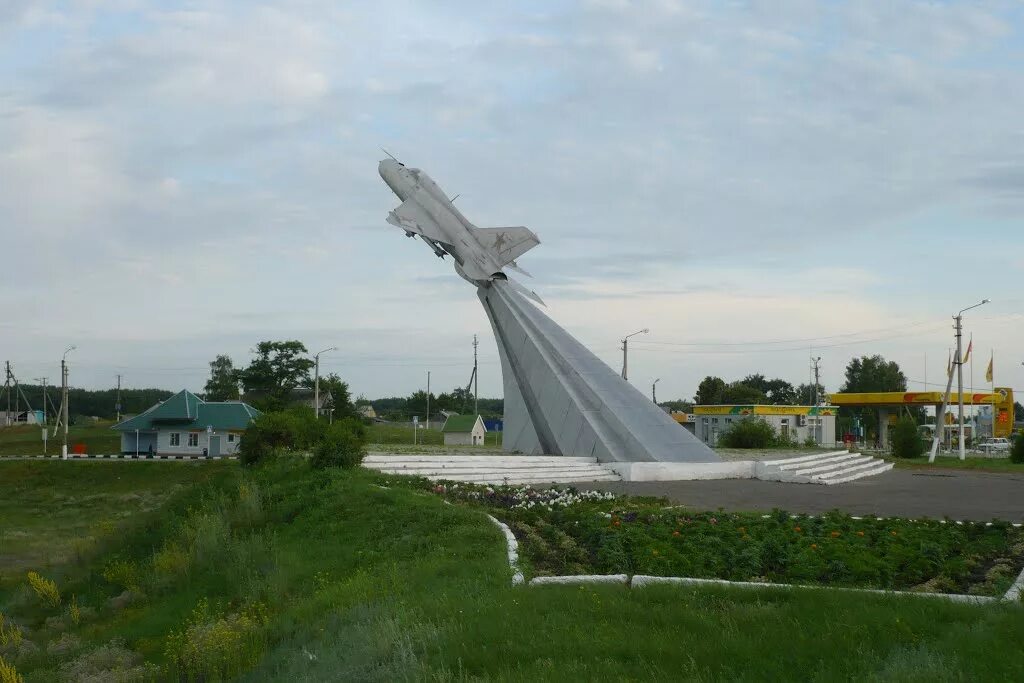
x: 958, y: 318
x: 117, y: 407
x: 42, y: 380
x: 316, y: 380
x: 476, y: 380
x: 428, y: 399
x: 625, y: 350
x: 817, y: 370
x: 7, y: 390
x: 654, y: 396
x: 64, y: 400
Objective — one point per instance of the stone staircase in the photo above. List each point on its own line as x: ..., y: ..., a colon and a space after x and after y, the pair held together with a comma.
x: 495, y: 470
x: 836, y: 467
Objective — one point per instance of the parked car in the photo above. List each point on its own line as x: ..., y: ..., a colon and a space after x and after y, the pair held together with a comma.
x: 994, y: 445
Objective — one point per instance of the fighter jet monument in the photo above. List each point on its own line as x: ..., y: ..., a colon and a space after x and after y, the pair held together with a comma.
x: 560, y: 399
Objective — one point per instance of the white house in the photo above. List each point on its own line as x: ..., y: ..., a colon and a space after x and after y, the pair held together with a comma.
x: 464, y: 430
x: 185, y: 424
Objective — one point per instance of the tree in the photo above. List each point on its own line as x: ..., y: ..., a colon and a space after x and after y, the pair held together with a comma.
x: 1018, y: 411
x: 341, y: 398
x: 277, y: 368
x: 804, y: 394
x: 873, y: 373
x: 416, y: 405
x: 709, y: 391
x: 223, y: 382
x: 777, y: 391
x: 678, y: 406
x: 738, y: 393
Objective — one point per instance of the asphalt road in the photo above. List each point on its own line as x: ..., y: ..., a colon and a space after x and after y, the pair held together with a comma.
x: 956, y: 494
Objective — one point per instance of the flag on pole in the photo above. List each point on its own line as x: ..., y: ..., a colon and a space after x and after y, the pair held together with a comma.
x: 970, y: 345
x: 988, y: 372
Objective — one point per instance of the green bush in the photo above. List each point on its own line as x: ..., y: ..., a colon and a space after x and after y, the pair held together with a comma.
x: 292, y: 429
x: 343, y: 445
x: 906, y: 440
x: 1017, y: 450
x: 749, y: 432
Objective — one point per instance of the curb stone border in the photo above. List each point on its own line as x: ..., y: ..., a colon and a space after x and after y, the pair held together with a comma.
x: 513, y: 550
x: 641, y: 580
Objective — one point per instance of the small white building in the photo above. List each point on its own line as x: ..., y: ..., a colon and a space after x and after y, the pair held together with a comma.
x: 464, y: 430
x: 794, y: 423
x: 185, y: 424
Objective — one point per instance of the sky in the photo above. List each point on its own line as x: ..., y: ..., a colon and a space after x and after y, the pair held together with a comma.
x: 755, y: 182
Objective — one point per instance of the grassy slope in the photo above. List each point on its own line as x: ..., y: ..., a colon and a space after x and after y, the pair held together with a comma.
x: 52, y: 511
x: 366, y: 583
x: 97, y: 437
x: 401, y: 434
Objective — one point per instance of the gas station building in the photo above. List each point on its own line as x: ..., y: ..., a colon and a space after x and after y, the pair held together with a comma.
x: 889, y: 403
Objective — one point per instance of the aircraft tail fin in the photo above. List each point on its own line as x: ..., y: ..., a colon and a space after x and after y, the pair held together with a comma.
x: 506, y: 244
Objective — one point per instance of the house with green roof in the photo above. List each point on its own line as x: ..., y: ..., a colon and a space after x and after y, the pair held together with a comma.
x: 185, y: 424
x: 464, y: 430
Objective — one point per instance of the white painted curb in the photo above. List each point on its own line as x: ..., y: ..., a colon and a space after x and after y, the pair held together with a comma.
x: 513, y: 550
x: 622, y: 579
x: 1016, y: 589
x: 639, y: 581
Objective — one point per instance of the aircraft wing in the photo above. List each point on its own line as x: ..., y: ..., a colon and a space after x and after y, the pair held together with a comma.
x: 411, y: 217
x: 506, y: 244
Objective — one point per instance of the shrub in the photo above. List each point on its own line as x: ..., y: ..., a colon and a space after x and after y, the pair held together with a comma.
x: 1017, y: 450
x: 343, y: 445
x: 906, y: 441
x: 292, y: 429
x: 213, y: 646
x: 8, y: 674
x: 45, y: 589
x: 749, y: 432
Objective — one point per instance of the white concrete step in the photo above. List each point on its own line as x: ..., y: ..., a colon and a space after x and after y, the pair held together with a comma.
x: 485, y: 459
x: 824, y: 468
x: 493, y: 480
x: 822, y: 460
x: 869, y: 470
x: 803, y: 458
x: 496, y: 470
x: 834, y: 465
x: 464, y: 472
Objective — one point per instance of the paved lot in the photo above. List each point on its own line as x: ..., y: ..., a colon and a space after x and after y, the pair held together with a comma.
x: 898, y: 493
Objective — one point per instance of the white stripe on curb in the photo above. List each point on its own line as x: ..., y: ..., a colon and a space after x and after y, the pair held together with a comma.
x: 1016, y: 589
x: 513, y: 550
x: 639, y: 581
x: 622, y: 579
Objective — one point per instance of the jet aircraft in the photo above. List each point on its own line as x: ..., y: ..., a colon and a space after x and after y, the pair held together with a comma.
x: 480, y: 254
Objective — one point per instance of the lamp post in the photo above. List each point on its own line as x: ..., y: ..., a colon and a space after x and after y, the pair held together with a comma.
x: 316, y: 379
x: 625, y: 350
x: 64, y: 399
x: 654, y: 396
x: 960, y: 371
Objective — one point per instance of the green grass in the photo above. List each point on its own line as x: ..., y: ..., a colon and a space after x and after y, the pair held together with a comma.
x: 97, y: 437
x: 360, y: 582
x: 955, y: 463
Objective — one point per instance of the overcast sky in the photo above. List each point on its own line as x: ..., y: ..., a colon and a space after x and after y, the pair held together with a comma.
x: 749, y: 180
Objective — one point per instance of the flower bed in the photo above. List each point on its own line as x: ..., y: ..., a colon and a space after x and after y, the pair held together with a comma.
x: 564, y: 531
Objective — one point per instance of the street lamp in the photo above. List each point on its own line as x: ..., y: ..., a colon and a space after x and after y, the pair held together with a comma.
x: 654, y: 396
x: 316, y: 380
x: 625, y: 349
x: 64, y: 398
